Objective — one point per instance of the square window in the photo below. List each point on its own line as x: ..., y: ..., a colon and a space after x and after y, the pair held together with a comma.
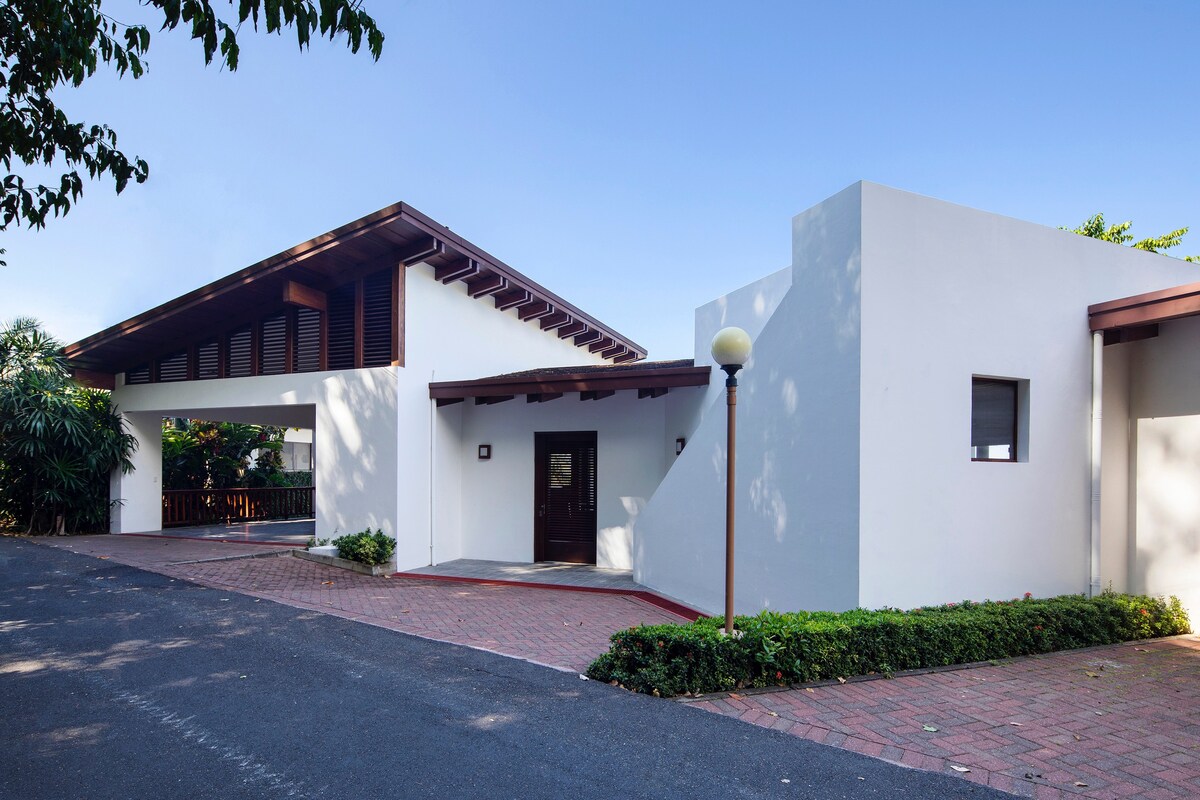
x: 993, y: 419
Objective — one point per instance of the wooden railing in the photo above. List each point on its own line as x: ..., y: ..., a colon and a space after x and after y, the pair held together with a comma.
x: 210, y: 506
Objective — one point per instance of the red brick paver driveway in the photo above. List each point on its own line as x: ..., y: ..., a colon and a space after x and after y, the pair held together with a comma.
x: 1038, y: 727
x: 559, y: 628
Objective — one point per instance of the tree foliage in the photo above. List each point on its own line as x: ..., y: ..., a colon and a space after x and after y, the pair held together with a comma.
x: 1118, y: 233
x: 59, y: 441
x: 46, y: 44
x: 198, y: 454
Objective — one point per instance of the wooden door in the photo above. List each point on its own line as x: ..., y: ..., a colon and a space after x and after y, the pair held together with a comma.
x: 565, y: 497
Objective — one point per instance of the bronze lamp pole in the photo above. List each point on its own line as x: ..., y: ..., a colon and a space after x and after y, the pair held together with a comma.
x: 730, y: 349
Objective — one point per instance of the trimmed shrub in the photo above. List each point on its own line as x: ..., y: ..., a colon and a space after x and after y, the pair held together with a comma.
x: 776, y: 648
x: 366, y: 547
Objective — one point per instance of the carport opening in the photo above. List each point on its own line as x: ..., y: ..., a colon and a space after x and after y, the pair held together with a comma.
x: 219, y: 472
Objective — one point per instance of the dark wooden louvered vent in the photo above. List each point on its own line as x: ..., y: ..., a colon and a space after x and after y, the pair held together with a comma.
x: 273, y: 345
x: 237, y: 359
x: 377, y: 319
x: 341, y: 328
x: 173, y: 367
x: 208, y: 357
x: 137, y: 375
x: 306, y: 352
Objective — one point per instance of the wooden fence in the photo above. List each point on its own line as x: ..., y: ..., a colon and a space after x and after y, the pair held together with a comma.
x: 211, y: 506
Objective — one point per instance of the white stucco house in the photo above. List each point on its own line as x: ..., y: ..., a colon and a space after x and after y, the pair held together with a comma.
x: 941, y: 404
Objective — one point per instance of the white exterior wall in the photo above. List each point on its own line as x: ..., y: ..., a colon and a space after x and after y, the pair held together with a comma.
x: 1165, y: 488
x: 372, y: 427
x: 797, y: 476
x: 949, y: 292
x: 498, y: 494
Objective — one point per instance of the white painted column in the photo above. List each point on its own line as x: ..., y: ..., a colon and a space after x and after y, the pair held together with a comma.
x: 1097, y: 443
x: 139, y: 493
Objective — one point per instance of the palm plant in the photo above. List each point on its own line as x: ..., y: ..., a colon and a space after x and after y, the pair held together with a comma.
x: 59, y: 441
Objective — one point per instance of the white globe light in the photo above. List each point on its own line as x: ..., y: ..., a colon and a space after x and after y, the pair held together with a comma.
x: 731, y: 347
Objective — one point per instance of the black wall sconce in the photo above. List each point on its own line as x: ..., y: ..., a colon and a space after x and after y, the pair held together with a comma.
x: 680, y: 443
x: 485, y: 452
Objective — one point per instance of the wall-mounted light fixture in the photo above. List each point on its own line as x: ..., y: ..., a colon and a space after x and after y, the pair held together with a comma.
x: 485, y: 452
x: 680, y: 443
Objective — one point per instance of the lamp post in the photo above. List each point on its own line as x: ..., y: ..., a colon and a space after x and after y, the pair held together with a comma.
x: 730, y: 349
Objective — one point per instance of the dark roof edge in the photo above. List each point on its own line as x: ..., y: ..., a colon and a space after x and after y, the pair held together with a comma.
x: 331, y: 239
x: 552, y: 380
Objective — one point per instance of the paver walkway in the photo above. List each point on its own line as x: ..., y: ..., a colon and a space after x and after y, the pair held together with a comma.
x: 1037, y: 727
x: 560, y: 628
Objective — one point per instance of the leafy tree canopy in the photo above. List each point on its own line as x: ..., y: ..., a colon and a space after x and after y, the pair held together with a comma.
x: 198, y: 454
x: 59, y: 441
x: 45, y: 44
x: 1118, y: 233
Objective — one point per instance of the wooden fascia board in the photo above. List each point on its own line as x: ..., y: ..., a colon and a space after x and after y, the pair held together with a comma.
x: 576, y: 382
x: 1147, y: 309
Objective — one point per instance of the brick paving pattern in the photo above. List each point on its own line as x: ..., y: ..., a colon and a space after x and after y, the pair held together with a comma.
x: 558, y: 628
x: 1037, y: 727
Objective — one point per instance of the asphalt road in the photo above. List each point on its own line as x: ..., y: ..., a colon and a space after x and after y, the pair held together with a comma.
x: 118, y: 683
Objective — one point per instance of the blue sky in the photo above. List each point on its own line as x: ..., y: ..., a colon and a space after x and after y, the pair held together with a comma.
x: 637, y: 158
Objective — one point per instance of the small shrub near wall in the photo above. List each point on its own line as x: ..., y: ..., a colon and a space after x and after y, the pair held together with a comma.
x: 366, y: 547
x: 784, y: 648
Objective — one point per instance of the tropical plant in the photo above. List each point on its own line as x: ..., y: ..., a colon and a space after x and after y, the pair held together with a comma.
x: 199, y: 454
x: 59, y: 441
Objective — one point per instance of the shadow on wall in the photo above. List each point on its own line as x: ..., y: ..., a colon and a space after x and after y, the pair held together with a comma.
x: 798, y: 418
x: 356, y: 438
x: 1168, y: 510
x: 614, y: 544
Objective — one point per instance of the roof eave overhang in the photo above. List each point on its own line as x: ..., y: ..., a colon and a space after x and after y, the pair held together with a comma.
x: 485, y: 276
x: 560, y: 383
x: 1139, y: 315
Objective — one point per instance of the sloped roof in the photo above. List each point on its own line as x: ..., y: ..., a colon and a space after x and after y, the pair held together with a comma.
x: 593, y: 382
x: 396, y: 234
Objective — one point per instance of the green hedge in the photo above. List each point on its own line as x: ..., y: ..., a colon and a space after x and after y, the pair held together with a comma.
x: 784, y: 648
x: 366, y: 547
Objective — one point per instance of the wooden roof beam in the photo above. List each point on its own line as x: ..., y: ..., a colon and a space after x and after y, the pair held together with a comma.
x: 599, y: 394
x: 588, y: 336
x: 517, y: 297
x: 489, y: 283
x: 629, y: 356
x: 491, y: 401
x: 421, y: 250
x: 535, y: 309
x: 555, y: 320
x: 603, y: 343
x: 543, y: 397
x: 456, y: 270
x: 653, y: 393
x: 614, y: 351
x: 571, y: 330
x: 297, y: 294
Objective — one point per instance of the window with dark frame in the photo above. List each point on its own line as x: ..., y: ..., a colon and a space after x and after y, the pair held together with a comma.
x: 993, y: 419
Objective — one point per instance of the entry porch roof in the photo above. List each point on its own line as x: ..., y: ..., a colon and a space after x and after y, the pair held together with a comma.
x: 592, y: 382
x: 1137, y: 317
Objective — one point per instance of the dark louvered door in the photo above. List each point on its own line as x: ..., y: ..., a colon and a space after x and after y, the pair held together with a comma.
x: 565, y: 497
